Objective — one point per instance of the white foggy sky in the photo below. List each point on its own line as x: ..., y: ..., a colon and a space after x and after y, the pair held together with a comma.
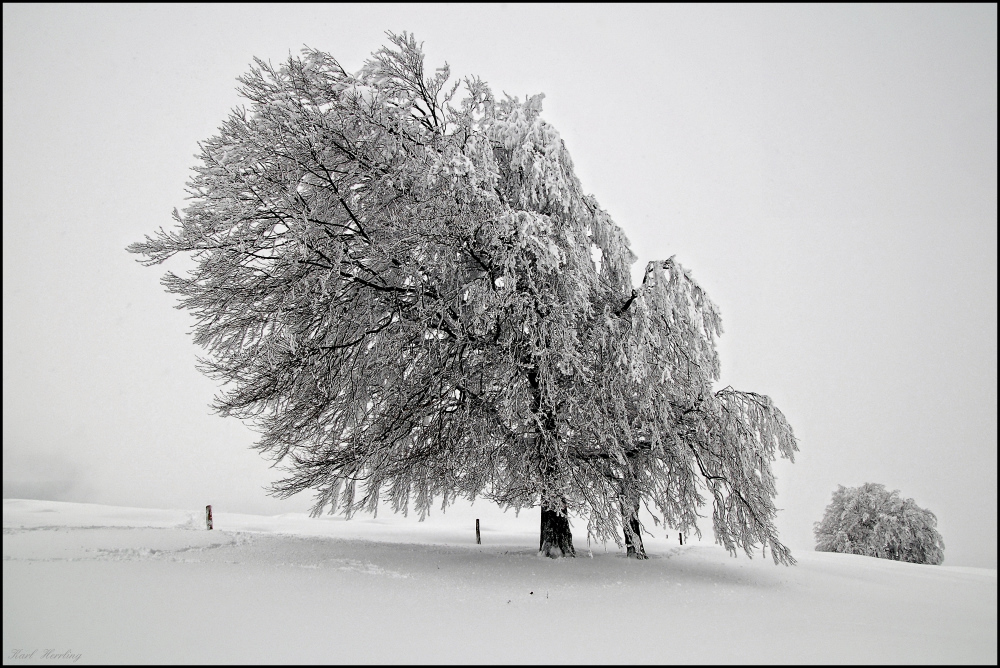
x: 828, y: 173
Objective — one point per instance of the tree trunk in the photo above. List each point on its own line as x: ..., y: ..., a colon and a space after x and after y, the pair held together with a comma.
x: 556, y: 538
x: 632, y: 530
x: 633, y: 539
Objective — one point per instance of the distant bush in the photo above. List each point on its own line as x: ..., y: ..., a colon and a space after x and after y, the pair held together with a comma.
x: 874, y: 522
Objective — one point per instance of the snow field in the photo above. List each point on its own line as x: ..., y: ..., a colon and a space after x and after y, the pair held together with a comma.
x: 139, y: 585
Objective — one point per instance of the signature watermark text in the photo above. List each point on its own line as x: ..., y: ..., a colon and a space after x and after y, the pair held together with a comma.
x: 43, y: 655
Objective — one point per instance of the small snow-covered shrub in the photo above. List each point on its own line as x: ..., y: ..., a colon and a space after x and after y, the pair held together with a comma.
x: 874, y: 522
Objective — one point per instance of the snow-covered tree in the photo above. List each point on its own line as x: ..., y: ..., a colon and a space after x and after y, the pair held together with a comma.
x: 659, y: 432
x: 403, y: 286
x: 874, y: 522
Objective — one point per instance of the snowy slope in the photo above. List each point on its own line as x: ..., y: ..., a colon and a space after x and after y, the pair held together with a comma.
x: 109, y: 584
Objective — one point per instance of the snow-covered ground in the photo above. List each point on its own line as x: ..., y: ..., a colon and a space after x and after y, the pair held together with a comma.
x: 96, y: 584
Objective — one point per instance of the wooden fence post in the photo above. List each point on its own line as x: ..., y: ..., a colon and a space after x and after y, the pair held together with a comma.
x: 478, y: 539
x: 208, y: 517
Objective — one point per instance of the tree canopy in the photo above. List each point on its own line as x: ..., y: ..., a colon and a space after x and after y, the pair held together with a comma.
x: 872, y: 521
x: 402, y: 284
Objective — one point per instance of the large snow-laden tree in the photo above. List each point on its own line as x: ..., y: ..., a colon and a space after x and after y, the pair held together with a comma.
x: 872, y: 521
x: 402, y: 285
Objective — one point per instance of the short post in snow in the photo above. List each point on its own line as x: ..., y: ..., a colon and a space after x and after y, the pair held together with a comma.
x: 681, y: 537
x: 208, y: 517
x: 479, y: 541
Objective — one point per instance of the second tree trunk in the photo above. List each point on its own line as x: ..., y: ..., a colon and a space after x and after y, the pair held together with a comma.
x: 632, y: 530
